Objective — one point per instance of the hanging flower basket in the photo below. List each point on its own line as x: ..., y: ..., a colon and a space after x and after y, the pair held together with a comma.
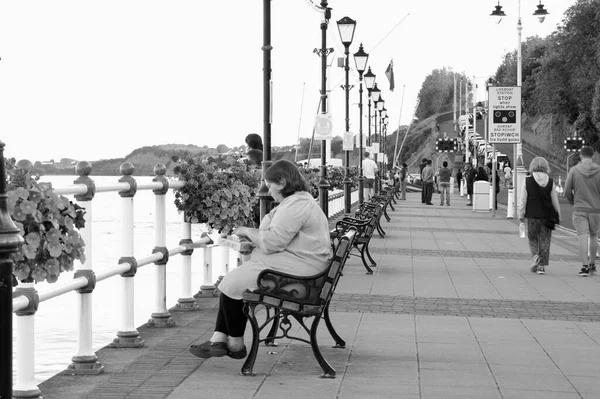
x: 48, y: 223
x: 221, y: 192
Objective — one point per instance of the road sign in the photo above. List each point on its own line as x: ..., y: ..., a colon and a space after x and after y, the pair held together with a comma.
x: 574, y: 144
x: 505, y: 115
x: 323, y: 127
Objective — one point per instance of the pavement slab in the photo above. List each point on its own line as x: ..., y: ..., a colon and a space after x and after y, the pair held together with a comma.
x: 451, y: 311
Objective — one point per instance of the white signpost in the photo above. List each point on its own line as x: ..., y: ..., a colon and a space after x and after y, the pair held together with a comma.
x: 505, y: 115
x: 348, y: 143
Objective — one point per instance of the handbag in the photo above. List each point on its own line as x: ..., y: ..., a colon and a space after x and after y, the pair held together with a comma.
x: 551, y: 215
x: 552, y: 218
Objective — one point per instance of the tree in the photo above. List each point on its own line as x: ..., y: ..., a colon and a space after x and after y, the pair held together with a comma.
x: 222, y: 149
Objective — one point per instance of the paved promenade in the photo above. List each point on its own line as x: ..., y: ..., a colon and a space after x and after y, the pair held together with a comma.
x: 451, y: 311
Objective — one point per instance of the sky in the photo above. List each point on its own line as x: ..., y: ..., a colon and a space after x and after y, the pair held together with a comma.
x: 96, y: 80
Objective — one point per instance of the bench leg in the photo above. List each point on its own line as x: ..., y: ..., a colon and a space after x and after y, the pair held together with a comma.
x: 270, y: 340
x: 328, y: 371
x: 247, y: 368
x: 364, y: 261
x: 380, y: 231
x: 339, y: 342
x: 387, y: 217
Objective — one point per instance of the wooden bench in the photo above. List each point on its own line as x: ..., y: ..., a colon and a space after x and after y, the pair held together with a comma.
x: 366, y: 222
x: 287, y: 297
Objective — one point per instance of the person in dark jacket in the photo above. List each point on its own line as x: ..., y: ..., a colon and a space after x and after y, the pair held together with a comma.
x: 423, y: 191
x: 538, y: 195
x: 470, y: 179
x: 459, y: 177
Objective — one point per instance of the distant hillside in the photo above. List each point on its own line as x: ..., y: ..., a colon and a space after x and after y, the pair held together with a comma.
x: 144, y: 159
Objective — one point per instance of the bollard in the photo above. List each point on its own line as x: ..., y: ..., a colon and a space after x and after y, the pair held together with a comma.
x: 510, y: 212
x: 10, y: 241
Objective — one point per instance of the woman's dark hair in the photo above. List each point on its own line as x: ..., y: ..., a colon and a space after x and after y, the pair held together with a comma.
x: 286, y: 170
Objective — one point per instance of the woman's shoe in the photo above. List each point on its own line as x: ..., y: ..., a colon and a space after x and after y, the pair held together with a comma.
x: 535, y: 264
x: 242, y: 353
x: 209, y: 349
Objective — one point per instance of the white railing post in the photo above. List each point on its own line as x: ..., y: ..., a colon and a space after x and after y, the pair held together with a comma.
x: 161, y: 316
x: 207, y: 289
x: 25, y: 386
x: 85, y: 361
x: 186, y: 302
x: 127, y: 336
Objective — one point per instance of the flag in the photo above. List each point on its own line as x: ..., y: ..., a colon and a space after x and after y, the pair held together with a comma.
x: 389, y: 73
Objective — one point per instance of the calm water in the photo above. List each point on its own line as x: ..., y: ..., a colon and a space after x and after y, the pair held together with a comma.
x: 56, y: 319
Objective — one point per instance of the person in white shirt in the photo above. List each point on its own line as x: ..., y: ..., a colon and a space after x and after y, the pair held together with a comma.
x: 369, y: 170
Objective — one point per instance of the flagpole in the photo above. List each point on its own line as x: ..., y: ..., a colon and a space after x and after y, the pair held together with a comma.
x: 398, y: 129
x: 407, y: 130
x: 299, y: 122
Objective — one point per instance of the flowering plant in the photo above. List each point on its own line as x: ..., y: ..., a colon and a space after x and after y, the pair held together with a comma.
x: 221, y: 192
x: 49, y: 225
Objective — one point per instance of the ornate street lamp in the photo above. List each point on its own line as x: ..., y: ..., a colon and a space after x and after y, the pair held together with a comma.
x: 346, y: 27
x: 263, y: 192
x: 518, y: 166
x: 380, y: 106
x: 360, y: 59
x: 323, y: 52
x: 370, y: 80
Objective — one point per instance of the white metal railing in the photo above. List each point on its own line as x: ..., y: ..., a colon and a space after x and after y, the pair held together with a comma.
x: 85, y: 361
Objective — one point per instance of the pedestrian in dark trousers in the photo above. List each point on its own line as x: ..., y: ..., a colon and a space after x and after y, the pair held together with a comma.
x: 423, y: 191
x: 582, y: 190
x: 538, y: 196
x: 459, y: 177
x: 403, y: 180
x: 470, y: 179
x: 444, y: 177
x: 428, y: 179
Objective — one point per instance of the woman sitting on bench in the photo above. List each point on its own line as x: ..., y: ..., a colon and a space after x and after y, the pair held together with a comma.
x: 293, y: 238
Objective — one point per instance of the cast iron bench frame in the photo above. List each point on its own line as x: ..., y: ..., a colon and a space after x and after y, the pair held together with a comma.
x: 300, y: 298
x: 366, y: 222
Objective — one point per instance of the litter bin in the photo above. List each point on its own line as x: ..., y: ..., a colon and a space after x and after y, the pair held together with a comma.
x: 481, y: 196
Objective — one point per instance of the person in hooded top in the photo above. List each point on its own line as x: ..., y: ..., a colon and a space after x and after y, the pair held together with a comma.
x: 538, y: 193
x: 293, y: 238
x: 582, y: 190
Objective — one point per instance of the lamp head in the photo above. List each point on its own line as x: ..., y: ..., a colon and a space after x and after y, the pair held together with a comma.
x: 369, y: 80
x: 498, y: 13
x: 360, y: 58
x: 541, y: 12
x: 380, y: 103
x: 346, y: 27
x: 375, y: 93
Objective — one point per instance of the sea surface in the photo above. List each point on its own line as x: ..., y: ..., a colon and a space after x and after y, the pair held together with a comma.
x: 56, y: 319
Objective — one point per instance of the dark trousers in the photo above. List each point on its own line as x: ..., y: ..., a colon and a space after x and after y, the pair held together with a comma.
x: 423, y: 192
x: 231, y: 319
x: 429, y: 192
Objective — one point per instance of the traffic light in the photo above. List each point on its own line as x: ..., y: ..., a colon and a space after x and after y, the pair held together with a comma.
x: 574, y: 144
x: 446, y: 145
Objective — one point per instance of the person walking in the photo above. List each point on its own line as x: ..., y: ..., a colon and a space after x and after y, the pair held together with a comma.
x: 403, y: 173
x: 422, y: 166
x: 582, y: 190
x: 444, y: 177
x: 428, y: 182
x: 369, y: 171
x: 538, y: 199
x: 459, y: 177
x: 470, y: 179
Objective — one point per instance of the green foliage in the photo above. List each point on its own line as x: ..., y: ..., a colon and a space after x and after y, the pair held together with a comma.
x: 437, y: 92
x: 48, y: 223
x: 221, y: 191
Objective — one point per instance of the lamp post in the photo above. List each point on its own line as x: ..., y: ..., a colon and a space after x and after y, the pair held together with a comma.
x: 346, y: 27
x: 263, y: 192
x: 518, y: 166
x: 380, y: 107
x: 323, y: 52
x: 10, y: 241
x: 371, y: 95
x: 360, y: 59
x: 382, y: 134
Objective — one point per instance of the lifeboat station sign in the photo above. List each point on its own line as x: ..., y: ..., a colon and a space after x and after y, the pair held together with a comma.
x: 504, y: 115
